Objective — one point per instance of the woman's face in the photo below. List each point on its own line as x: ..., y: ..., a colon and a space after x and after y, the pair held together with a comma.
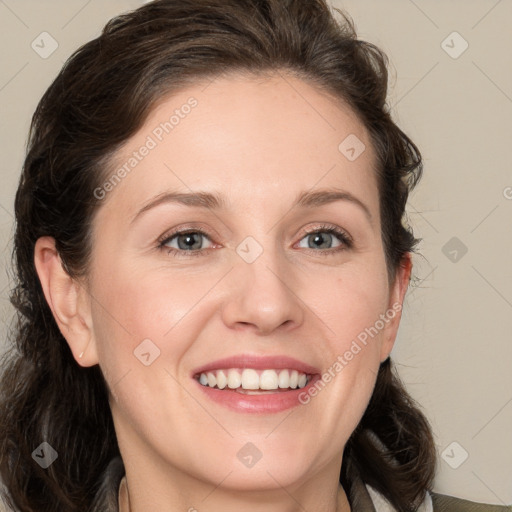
x: 274, y: 185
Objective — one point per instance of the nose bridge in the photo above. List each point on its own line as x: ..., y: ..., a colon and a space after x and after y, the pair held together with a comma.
x: 262, y: 293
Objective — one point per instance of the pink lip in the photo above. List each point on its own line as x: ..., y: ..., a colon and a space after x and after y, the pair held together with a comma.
x: 264, y: 403
x: 258, y: 363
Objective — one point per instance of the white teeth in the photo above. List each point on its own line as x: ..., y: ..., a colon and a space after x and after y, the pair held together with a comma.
x: 294, y: 379
x: 269, y: 380
x: 250, y: 379
x: 212, y: 380
x: 284, y: 379
x: 222, y: 380
x: 234, y: 379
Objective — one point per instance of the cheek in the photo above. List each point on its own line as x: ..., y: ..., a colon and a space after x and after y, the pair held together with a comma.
x: 352, y: 303
x: 352, y: 311
x: 144, y: 317
x: 145, y: 305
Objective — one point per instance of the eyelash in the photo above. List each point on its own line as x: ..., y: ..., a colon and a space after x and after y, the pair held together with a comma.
x: 343, y: 237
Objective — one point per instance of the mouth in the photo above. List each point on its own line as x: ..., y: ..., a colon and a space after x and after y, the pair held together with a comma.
x: 250, y: 381
x: 256, y: 384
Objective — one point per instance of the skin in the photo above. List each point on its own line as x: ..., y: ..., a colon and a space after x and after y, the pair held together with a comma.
x: 258, y: 142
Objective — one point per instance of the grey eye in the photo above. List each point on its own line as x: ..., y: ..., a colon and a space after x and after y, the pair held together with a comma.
x: 320, y: 240
x: 191, y: 241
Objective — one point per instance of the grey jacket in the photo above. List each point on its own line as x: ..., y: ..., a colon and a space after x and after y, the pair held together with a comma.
x: 362, y: 498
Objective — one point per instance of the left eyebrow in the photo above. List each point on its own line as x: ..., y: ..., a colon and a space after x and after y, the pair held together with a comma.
x: 322, y: 197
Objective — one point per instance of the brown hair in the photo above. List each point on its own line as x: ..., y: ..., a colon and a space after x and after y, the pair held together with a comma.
x: 100, y: 98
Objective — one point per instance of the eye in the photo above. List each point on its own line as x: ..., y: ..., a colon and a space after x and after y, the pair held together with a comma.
x: 187, y: 241
x: 326, y: 238
x: 191, y: 242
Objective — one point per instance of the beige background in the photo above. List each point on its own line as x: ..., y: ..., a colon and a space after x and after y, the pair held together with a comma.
x: 455, y: 348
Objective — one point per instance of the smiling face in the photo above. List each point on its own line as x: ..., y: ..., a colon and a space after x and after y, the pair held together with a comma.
x: 280, y: 256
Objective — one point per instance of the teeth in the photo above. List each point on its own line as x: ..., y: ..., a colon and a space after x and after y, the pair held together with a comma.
x: 222, y: 380
x: 294, y: 378
x: 284, y: 379
x: 234, y: 379
x: 250, y: 379
x: 269, y: 380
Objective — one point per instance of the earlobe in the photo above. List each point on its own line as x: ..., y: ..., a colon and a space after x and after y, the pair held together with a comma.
x: 67, y: 300
x: 398, y: 290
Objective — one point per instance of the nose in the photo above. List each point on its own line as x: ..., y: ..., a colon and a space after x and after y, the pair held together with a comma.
x: 262, y: 297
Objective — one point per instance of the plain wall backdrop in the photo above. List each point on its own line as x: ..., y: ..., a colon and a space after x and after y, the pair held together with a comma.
x: 451, y: 92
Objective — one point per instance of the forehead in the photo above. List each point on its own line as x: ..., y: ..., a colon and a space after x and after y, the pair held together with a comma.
x: 253, y: 139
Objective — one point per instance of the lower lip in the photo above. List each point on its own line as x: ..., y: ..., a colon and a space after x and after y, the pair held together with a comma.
x: 264, y: 403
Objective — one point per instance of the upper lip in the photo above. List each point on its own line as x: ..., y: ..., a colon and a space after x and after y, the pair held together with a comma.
x: 258, y: 363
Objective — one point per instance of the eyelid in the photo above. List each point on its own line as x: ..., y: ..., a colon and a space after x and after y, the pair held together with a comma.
x: 327, y: 227
x: 182, y: 231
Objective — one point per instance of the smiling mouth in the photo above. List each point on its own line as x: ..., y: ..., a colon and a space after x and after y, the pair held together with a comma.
x: 250, y: 381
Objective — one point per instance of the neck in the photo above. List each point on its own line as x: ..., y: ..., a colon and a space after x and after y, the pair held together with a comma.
x: 339, y: 504
x: 154, y: 485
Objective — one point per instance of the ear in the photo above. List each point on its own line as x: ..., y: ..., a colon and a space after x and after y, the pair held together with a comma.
x: 395, y: 305
x: 69, y: 302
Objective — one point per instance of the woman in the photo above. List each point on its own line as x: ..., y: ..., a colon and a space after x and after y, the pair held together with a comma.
x: 211, y: 269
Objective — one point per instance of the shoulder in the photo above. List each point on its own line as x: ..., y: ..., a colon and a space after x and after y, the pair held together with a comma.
x: 445, y: 503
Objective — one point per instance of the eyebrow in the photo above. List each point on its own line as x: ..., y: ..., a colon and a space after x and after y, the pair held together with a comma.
x: 194, y: 199
x: 211, y: 201
x: 322, y: 197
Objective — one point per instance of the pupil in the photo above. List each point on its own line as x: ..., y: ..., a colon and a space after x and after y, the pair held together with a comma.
x: 321, y: 238
x: 189, y: 241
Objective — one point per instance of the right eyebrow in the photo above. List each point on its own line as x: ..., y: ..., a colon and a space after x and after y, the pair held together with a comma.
x: 197, y: 199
